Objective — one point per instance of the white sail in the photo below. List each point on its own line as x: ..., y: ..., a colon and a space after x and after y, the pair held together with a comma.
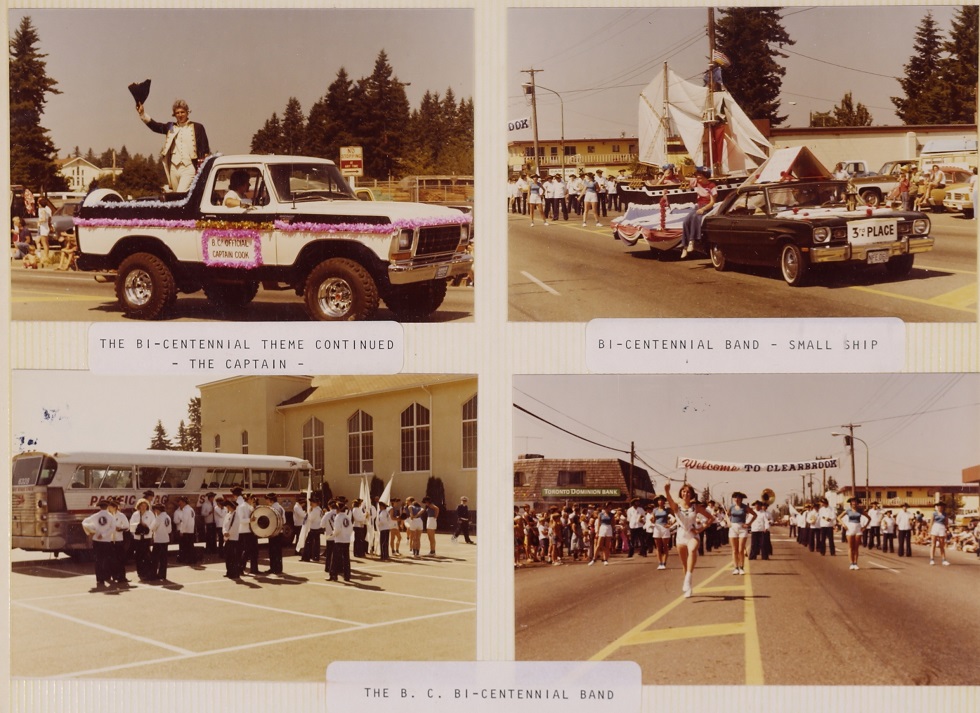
x: 672, y: 105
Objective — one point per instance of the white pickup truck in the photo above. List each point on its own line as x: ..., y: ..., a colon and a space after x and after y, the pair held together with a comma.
x: 291, y: 223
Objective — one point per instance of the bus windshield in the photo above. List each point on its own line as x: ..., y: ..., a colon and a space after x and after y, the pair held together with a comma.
x: 34, y: 470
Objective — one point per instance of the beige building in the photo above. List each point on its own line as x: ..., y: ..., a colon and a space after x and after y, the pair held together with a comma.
x: 411, y: 427
x: 917, y: 496
x: 80, y: 173
x: 589, y: 154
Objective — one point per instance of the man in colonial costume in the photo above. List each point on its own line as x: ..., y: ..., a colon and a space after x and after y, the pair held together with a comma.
x: 185, y: 145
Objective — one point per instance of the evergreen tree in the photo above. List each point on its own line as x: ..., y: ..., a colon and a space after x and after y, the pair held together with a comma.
x: 926, y: 94
x: 457, y: 154
x: 960, y: 68
x: 183, y: 438
x: 194, y: 424
x: 141, y: 177
x: 382, y: 113
x: 77, y: 153
x: 91, y: 157
x: 330, y: 121
x: 293, y: 128
x: 268, y: 139
x: 846, y: 114
x: 160, y: 441
x: 32, y: 151
x: 749, y: 37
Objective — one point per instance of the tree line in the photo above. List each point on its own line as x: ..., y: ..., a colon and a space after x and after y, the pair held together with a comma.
x: 373, y: 112
x: 188, y: 436
x: 939, y: 85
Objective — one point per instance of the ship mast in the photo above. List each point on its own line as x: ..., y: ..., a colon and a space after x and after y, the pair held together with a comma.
x: 709, y: 112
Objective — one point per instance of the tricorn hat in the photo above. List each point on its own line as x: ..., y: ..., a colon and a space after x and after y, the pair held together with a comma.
x: 140, y: 91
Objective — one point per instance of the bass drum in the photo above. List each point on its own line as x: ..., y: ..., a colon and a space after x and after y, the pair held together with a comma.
x: 266, y: 522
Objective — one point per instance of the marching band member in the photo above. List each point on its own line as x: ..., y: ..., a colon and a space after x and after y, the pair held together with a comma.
x: 343, y: 533
x: 247, y: 541
x: 851, y: 521
x: 431, y: 523
x: 326, y: 524
x: 384, y: 527
x: 359, y: 516
x: 207, y: 518
x: 937, y: 533
x: 687, y: 529
x: 661, y: 530
x: 740, y: 518
x: 230, y: 534
x: 184, y: 520
x: 101, y: 526
x: 141, y: 523
x: 161, y: 529
x: 299, y: 516
x: 275, y: 541
x: 311, y: 550
x: 119, y: 542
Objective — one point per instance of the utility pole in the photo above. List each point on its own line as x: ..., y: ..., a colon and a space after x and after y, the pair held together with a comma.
x: 849, y: 441
x: 534, y: 116
x: 632, y: 454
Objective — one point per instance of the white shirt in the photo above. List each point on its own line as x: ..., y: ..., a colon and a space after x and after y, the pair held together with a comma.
x: 147, y: 519
x: 826, y: 517
x: 299, y: 515
x: 874, y: 517
x: 219, y: 515
x: 243, y: 514
x: 384, y: 521
x: 761, y: 522
x: 343, y: 528
x: 903, y: 518
x: 161, y: 528
x: 230, y: 525
x: 101, y: 526
x: 316, y: 514
x: 184, y: 520
x: 207, y: 511
x: 359, y: 516
x: 326, y: 522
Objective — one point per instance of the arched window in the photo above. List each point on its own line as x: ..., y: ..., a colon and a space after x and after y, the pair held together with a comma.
x: 416, y: 439
x: 313, y: 443
x: 360, y: 443
x: 244, y: 441
x: 469, y: 433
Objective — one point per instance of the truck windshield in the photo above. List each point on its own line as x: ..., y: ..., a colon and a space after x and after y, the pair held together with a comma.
x: 309, y: 181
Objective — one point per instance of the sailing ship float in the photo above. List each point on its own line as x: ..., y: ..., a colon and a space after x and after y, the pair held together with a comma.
x: 701, y: 116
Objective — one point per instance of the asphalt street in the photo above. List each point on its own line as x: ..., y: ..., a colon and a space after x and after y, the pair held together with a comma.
x: 569, y: 273
x: 47, y: 295
x: 797, y: 619
x: 200, y: 625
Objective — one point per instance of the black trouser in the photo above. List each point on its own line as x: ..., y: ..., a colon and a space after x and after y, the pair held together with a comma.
x: 340, y: 561
x: 812, y: 543
x: 755, y: 547
x: 766, y: 544
x: 360, y: 541
x: 119, y: 560
x: 888, y: 543
x: 574, y: 205
x: 102, y: 552
x: 637, y: 542
x: 249, y: 545
x: 827, y: 540
x: 233, y: 559
x: 904, y: 543
x: 158, y: 565
x: 601, y: 208
x: 384, y: 538
x: 522, y: 202
x: 328, y: 555
x: 210, y: 537
x: 141, y: 550
x: 185, y: 551
x: 462, y: 528
x: 275, y: 554
x: 874, y: 537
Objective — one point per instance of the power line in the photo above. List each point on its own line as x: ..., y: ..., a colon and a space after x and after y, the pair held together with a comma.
x: 565, y: 430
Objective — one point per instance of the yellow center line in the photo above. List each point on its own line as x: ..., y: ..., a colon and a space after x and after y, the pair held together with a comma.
x: 641, y: 634
x: 933, y: 301
x: 54, y: 297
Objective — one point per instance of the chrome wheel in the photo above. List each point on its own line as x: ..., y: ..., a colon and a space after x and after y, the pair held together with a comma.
x: 335, y: 297
x: 138, y: 288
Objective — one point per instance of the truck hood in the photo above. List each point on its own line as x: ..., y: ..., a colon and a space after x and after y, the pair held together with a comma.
x: 393, y: 211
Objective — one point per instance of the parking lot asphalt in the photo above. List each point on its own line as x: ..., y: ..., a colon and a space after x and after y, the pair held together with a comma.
x: 200, y: 625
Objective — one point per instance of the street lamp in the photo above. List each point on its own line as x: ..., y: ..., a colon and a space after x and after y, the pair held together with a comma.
x: 529, y: 89
x: 711, y: 488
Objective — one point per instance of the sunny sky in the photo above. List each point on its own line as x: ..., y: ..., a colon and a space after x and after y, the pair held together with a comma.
x: 599, y: 60
x: 70, y: 410
x: 920, y: 428
x: 233, y: 67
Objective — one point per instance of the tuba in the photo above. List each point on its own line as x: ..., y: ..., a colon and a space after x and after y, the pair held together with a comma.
x: 266, y: 522
x: 768, y: 497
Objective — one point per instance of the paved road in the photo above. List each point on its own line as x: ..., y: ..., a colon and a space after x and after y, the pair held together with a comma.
x: 48, y: 295
x: 203, y: 626
x: 564, y: 272
x: 797, y: 619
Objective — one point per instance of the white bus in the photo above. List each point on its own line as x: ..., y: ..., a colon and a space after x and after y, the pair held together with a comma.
x: 53, y: 493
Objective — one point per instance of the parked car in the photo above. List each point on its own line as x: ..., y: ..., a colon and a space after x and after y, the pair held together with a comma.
x: 63, y: 219
x: 796, y: 225
x: 956, y: 178
x: 959, y: 199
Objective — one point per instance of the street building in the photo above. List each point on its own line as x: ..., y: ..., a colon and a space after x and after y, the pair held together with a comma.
x: 542, y: 482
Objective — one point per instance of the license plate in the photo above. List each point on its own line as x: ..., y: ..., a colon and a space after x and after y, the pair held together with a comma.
x: 442, y: 272
x: 878, y: 257
x: 874, y: 230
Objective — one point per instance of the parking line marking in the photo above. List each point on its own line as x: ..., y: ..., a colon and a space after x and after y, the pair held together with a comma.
x: 540, y: 284
x: 686, y: 632
x: 961, y: 298
x: 258, y: 644
x: 107, y: 629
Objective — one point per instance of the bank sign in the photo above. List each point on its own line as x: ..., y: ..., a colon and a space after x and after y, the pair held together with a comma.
x: 581, y: 492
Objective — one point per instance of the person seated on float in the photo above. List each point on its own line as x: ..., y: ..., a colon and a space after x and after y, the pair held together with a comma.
x: 669, y: 176
x: 237, y: 188
x: 706, y: 193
